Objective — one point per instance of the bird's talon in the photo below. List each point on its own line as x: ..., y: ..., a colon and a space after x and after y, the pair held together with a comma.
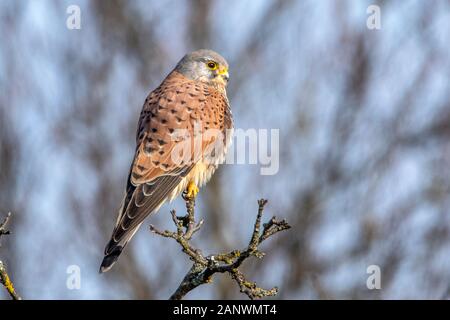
x: 191, y: 191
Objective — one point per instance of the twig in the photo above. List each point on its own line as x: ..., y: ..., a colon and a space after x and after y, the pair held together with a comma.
x: 6, y: 281
x: 3, y: 230
x: 4, y: 277
x: 204, y: 267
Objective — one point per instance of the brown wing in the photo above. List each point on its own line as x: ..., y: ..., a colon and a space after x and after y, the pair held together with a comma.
x: 169, y: 113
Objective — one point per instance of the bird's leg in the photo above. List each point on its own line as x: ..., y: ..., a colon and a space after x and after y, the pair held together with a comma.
x: 191, y: 191
x: 188, y: 220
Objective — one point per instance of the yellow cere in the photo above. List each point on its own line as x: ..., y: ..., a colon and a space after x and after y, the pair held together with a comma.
x: 223, y: 71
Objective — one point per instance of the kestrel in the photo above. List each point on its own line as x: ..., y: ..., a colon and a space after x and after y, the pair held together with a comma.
x: 183, y: 134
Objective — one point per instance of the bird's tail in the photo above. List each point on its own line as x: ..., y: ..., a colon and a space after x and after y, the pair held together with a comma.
x: 138, y: 203
x: 114, y: 249
x: 111, y: 258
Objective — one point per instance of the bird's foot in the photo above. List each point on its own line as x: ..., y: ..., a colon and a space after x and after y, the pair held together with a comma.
x: 190, y: 192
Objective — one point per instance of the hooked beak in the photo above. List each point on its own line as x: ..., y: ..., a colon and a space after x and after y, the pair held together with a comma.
x: 224, y: 74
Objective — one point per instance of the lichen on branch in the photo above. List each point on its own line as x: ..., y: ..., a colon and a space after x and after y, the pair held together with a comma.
x: 4, y: 277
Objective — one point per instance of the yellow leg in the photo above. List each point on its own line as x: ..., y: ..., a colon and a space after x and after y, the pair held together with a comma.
x: 191, y: 190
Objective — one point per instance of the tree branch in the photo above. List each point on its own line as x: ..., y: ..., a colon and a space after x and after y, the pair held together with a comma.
x: 204, y: 267
x: 4, y: 277
x: 3, y: 230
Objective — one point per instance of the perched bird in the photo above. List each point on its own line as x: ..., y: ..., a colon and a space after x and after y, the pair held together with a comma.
x: 191, y: 102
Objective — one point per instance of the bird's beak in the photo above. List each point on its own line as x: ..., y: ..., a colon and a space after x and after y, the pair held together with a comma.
x: 224, y: 74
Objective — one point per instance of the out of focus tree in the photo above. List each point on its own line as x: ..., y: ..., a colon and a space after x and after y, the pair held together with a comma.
x: 364, y: 119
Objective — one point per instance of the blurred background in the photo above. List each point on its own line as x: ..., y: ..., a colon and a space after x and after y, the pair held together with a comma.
x: 364, y: 120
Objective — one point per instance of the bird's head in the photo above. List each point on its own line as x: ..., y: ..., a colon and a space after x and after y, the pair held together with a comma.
x: 206, y: 66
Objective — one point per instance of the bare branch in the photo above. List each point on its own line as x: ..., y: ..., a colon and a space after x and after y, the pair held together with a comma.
x: 6, y: 281
x: 204, y: 267
x: 4, y: 277
x: 3, y: 225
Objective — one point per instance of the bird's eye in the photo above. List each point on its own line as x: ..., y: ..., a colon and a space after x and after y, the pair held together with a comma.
x: 212, y: 65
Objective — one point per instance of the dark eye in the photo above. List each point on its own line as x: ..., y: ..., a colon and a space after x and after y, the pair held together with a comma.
x: 212, y: 65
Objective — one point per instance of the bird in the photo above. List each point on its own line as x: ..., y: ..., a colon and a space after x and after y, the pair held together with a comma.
x: 184, y: 131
